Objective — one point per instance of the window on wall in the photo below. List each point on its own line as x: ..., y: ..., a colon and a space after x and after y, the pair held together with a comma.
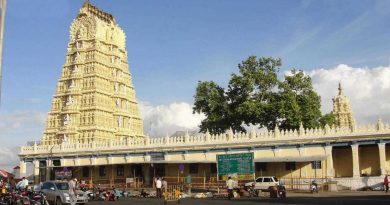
x: 137, y: 170
x: 316, y: 164
x: 79, y: 44
x: 290, y: 166
x: 194, y: 168
x: 261, y: 166
x: 56, y: 163
x: 85, y: 171
x: 102, y: 171
x: 213, y: 168
x: 159, y: 169
x: 120, y: 171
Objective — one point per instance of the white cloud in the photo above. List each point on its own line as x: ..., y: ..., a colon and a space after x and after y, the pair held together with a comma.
x: 34, y: 100
x: 367, y: 88
x: 166, y: 119
x: 9, y: 158
x: 22, y: 117
x: 17, y: 127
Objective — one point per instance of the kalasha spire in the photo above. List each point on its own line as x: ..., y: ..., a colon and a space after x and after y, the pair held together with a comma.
x: 86, y: 3
x: 340, y: 89
x: 89, y: 9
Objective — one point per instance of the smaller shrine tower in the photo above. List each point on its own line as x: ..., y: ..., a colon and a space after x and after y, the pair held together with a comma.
x: 342, y: 110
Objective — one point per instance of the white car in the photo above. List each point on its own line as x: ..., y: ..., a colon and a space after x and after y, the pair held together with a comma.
x: 263, y: 183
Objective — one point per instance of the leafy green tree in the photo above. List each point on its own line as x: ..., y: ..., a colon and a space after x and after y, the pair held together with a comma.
x: 255, y: 96
x: 328, y: 119
x: 251, y: 91
x: 210, y: 99
x: 302, y: 103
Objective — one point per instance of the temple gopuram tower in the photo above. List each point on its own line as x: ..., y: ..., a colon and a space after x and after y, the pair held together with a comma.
x: 95, y: 98
x: 342, y: 110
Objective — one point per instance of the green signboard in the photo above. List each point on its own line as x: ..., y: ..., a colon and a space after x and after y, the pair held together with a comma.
x: 239, y: 165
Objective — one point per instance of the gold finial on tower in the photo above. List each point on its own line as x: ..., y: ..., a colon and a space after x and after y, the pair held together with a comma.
x: 86, y: 2
x: 340, y: 89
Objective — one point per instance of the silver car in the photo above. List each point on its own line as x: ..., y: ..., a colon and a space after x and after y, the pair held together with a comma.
x: 57, y: 193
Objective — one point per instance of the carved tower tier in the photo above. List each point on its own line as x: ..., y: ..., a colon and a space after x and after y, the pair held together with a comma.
x: 95, y: 98
x: 342, y: 110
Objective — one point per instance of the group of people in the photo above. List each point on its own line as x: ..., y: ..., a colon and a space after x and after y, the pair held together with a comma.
x: 112, y: 194
x: 161, y: 184
x: 10, y: 185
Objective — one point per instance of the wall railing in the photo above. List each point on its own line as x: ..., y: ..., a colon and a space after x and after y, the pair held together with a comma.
x: 227, y: 138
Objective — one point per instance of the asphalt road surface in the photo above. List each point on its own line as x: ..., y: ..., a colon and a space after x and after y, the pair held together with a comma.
x: 354, y: 198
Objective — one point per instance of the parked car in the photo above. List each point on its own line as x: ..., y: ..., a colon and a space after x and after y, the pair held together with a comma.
x: 57, y: 193
x: 263, y: 183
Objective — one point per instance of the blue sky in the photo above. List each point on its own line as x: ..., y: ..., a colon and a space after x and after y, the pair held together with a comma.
x: 173, y: 44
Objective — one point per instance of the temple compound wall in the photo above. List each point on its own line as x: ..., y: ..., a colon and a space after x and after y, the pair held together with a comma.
x: 352, y: 156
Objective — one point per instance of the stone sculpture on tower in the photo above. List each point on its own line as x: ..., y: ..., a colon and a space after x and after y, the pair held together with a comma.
x: 95, y: 98
x: 342, y: 110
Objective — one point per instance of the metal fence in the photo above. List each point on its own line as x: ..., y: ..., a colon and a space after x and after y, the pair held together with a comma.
x: 304, y: 183
x: 210, y: 183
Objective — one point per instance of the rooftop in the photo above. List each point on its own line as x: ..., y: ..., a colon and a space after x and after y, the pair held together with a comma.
x: 93, y: 10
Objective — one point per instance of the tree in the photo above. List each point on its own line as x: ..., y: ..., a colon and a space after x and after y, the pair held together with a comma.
x: 255, y: 96
x: 301, y: 102
x: 250, y: 92
x: 210, y: 99
x: 328, y: 119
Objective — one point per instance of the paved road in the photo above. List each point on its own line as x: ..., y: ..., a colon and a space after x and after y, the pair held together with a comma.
x: 348, y: 198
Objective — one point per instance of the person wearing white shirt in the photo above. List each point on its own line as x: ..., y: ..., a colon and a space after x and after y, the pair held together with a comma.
x: 158, y: 187
x: 22, y: 184
x: 72, y: 191
x: 25, y: 182
x: 230, y: 186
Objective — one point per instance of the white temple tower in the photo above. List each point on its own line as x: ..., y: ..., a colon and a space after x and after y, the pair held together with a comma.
x: 95, y: 98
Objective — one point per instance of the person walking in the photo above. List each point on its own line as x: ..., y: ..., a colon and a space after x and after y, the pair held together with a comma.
x: 164, y: 186
x: 12, y: 184
x: 230, y: 186
x: 22, y: 184
x: 386, y: 183
x: 158, y: 187
x: 72, y: 191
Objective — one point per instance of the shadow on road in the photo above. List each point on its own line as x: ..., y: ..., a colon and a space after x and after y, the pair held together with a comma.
x: 310, y: 199
x: 342, y: 200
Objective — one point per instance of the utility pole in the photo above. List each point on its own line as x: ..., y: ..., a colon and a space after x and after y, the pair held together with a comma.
x: 3, y: 4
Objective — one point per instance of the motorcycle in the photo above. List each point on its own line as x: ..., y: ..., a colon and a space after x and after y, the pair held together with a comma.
x: 20, y: 198
x: 91, y: 195
x: 39, y: 198
x: 281, y: 191
x: 6, y: 198
x: 252, y: 191
x: 314, y: 187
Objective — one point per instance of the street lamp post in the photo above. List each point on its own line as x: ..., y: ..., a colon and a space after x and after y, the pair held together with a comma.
x: 49, y: 164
